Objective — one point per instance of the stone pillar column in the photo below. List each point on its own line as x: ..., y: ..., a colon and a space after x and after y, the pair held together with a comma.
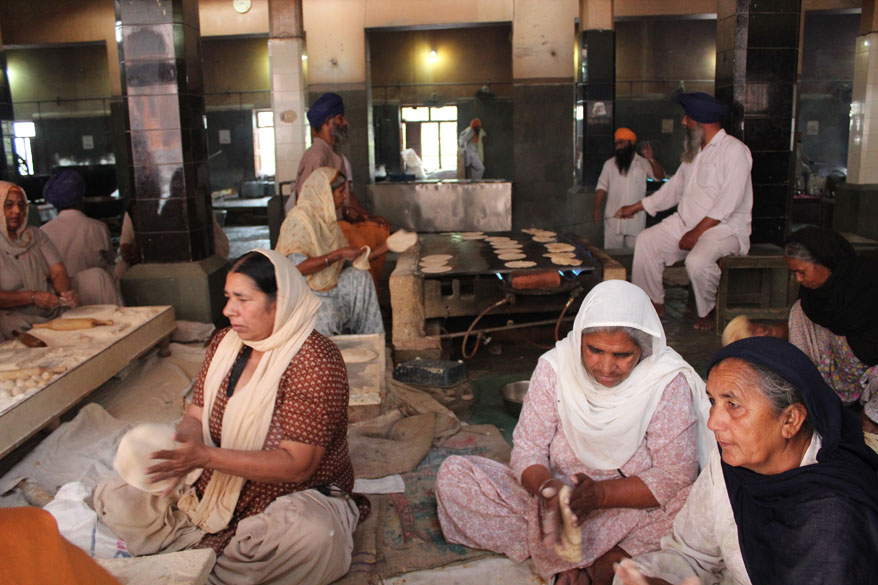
x: 596, y: 86
x: 856, y: 207
x: 160, y: 65
x: 757, y: 46
x: 8, y: 168
x: 543, y: 42
x: 286, y: 48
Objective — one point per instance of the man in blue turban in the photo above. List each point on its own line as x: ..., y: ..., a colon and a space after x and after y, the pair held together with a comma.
x: 84, y: 243
x: 329, y: 133
x: 714, y: 198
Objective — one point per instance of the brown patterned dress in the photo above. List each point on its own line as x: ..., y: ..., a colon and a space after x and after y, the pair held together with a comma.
x: 311, y: 408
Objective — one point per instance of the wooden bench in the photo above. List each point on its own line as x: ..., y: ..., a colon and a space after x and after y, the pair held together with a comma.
x: 758, y: 285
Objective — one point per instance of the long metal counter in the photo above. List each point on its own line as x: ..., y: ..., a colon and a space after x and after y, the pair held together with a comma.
x: 443, y: 206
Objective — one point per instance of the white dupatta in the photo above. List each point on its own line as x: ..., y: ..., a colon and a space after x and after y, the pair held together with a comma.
x: 249, y: 411
x: 605, y: 425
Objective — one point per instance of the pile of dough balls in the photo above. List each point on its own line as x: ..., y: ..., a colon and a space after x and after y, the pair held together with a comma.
x: 21, y: 381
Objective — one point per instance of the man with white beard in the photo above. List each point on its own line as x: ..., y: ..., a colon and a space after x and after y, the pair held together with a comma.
x: 714, y: 198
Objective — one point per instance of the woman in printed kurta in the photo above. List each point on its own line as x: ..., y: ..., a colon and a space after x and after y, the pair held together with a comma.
x: 835, y: 320
x: 612, y: 412
x: 267, y: 427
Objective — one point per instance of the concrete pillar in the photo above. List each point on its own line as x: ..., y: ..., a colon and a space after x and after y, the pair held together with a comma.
x: 8, y: 168
x: 856, y: 207
x: 286, y: 49
x: 596, y: 86
x: 757, y: 46
x: 336, y: 42
x: 543, y: 42
x: 160, y: 65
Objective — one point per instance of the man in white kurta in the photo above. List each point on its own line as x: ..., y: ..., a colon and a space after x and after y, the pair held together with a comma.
x: 623, y: 182
x: 84, y: 243
x: 714, y: 198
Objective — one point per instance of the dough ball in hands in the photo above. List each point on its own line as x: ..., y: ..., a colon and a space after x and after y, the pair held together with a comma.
x: 133, y: 456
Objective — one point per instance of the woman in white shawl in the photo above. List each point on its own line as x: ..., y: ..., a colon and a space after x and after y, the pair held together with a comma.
x: 34, y: 285
x: 268, y: 427
x: 613, y: 414
x: 311, y: 238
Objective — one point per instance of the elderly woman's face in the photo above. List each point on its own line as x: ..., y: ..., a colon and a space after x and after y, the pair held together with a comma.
x: 746, y: 426
x: 14, y: 208
x: 808, y: 274
x: 609, y: 357
x: 338, y: 196
x: 249, y: 310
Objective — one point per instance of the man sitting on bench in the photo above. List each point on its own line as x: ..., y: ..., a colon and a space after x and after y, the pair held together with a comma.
x: 714, y: 197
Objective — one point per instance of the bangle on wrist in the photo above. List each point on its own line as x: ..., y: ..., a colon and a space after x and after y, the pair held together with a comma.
x: 326, y: 260
x: 543, y: 485
x: 33, y: 297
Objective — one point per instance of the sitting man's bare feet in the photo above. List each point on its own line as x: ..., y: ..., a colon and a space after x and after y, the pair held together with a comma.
x: 705, y: 323
x: 573, y: 577
x: 661, y: 310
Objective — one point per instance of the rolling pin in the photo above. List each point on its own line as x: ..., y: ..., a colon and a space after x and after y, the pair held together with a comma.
x: 71, y: 324
x: 28, y: 339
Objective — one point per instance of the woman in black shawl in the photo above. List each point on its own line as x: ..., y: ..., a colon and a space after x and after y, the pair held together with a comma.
x: 835, y: 320
x: 791, y: 495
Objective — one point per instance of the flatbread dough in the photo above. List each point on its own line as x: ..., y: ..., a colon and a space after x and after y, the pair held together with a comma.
x: 358, y: 354
x: 133, y: 456
x: 521, y: 264
x: 545, y: 233
x: 473, y: 235
x: 570, y: 547
x: 544, y: 239
x: 494, y: 239
x: 559, y: 255
x: 433, y: 258
x: 362, y: 261
x: 512, y: 256
x: 401, y: 240
x: 435, y: 268
x: 565, y: 261
x: 560, y: 247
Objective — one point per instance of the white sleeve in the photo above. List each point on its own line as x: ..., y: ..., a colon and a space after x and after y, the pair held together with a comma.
x: 669, y: 194
x: 604, y: 179
x: 692, y: 548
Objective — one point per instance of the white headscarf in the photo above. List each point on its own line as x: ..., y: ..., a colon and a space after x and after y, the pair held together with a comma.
x: 249, y: 411
x: 311, y: 228
x: 605, y: 425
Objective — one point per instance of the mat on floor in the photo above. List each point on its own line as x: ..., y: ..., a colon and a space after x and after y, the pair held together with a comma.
x: 402, y: 533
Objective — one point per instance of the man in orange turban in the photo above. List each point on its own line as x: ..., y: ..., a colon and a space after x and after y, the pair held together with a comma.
x: 470, y: 143
x: 623, y: 182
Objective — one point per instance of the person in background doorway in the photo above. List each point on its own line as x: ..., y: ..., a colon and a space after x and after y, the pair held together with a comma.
x: 623, y: 182
x: 471, y: 145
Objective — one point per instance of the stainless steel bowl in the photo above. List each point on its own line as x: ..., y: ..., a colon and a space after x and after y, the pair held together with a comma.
x: 513, y: 396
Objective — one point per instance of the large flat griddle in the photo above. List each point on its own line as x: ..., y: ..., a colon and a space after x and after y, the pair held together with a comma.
x: 473, y: 257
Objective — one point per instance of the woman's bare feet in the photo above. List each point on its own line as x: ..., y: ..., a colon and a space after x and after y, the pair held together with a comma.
x: 573, y: 577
